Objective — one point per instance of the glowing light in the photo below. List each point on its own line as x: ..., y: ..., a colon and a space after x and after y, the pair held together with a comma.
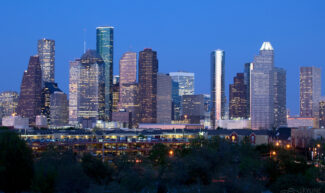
x: 273, y: 153
x: 171, y: 153
x: 288, y: 146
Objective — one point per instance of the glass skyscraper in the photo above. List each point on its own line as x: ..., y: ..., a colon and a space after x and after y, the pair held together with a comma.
x: 310, y: 91
x: 104, y: 46
x: 91, y: 104
x: 74, y: 76
x: 280, y: 97
x: 218, y: 97
x: 238, y: 98
x: 59, y: 109
x: 185, y: 82
x: 164, y: 98
x: 46, y: 53
x: 262, y: 89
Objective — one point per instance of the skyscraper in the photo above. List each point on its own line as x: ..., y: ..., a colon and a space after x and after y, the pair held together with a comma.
x: 148, y: 68
x: 238, y: 98
x: 262, y: 89
x: 176, y: 101
x: 91, y: 103
x: 29, y: 104
x: 104, y: 44
x: 74, y: 76
x: 218, y: 97
x: 58, y: 109
x: 47, y: 92
x: 310, y: 91
x: 280, y: 97
x: 321, y: 113
x: 46, y: 53
x: 164, y: 98
x: 247, y: 81
x: 185, y: 82
x: 128, y: 68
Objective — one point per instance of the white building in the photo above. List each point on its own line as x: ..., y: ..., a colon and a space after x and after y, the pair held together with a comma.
x: 17, y: 122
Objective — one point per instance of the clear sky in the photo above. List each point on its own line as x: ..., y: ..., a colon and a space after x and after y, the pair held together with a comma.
x: 183, y: 32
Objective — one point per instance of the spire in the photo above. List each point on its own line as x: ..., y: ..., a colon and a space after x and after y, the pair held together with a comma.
x: 266, y: 46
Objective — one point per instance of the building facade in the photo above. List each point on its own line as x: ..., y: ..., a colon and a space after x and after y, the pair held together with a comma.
x: 74, y: 76
x: 247, y: 81
x: 29, y: 103
x: 185, y: 82
x: 238, y: 98
x: 9, y: 102
x: 193, y: 108
x: 321, y: 119
x: 91, y: 89
x: 280, y: 97
x: 59, y: 114
x: 148, y: 68
x: 46, y: 53
x: 104, y: 47
x: 262, y: 89
x: 218, y: 97
x: 47, y: 92
x: 164, y: 98
x: 310, y: 91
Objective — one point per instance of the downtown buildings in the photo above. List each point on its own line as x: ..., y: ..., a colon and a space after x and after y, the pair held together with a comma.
x: 46, y: 53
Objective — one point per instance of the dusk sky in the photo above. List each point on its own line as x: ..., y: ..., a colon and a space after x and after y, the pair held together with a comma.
x: 182, y: 32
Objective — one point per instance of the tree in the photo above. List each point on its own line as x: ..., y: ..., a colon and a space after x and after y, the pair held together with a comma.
x: 16, y: 163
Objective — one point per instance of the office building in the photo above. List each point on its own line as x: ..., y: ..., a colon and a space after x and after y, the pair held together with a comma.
x: 321, y: 118
x: 129, y: 101
x: 128, y: 68
x: 218, y: 97
x: 193, y: 108
x: 247, y: 78
x: 91, y: 89
x: 46, y: 53
x: 116, y: 97
x: 104, y: 47
x: 262, y: 89
x: 29, y: 103
x: 59, y: 115
x: 185, y: 82
x: 74, y: 77
x: 280, y: 97
x: 238, y: 98
x: 176, y: 101
x: 8, y: 102
x: 310, y: 91
x: 164, y: 98
x: 47, y: 91
x: 148, y: 68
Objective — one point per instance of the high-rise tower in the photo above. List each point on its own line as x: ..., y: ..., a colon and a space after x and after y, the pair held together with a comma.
x: 280, y: 97
x: 29, y: 104
x: 218, y: 96
x: 262, y: 89
x: 310, y: 91
x: 104, y: 46
x: 46, y: 53
x: 148, y: 68
x: 74, y: 76
x: 238, y: 98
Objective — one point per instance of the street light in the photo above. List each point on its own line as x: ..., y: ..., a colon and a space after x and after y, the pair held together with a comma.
x: 288, y: 146
x: 171, y: 153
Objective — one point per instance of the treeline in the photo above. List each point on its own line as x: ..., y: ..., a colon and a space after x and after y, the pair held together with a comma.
x: 212, y: 165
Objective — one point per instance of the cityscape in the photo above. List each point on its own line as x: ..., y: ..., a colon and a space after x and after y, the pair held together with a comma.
x: 147, y: 130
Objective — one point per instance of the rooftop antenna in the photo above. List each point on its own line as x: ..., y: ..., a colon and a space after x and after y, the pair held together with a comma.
x: 85, y: 31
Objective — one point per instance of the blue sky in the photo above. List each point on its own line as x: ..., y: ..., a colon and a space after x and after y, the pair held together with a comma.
x: 182, y: 32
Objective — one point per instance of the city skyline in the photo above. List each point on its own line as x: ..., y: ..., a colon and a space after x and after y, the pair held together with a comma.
x: 70, y: 38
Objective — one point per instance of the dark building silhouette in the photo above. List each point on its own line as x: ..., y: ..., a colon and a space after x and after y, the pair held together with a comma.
x: 238, y: 98
x: 322, y: 113
x: 247, y: 81
x: 47, y: 91
x: 280, y: 97
x: 148, y: 68
x: 29, y: 104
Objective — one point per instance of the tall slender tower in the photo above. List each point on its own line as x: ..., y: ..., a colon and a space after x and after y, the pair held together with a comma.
x: 262, y: 89
x: 29, y: 104
x: 104, y: 46
x: 237, y: 98
x: 310, y: 91
x: 280, y: 97
x: 164, y: 98
x: 218, y: 96
x: 148, y: 68
x: 46, y: 53
x: 74, y: 75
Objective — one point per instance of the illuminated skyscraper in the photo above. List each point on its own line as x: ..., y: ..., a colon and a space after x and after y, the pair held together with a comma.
x: 262, y: 89
x: 74, y: 76
x: 164, y: 98
x: 128, y: 68
x: 218, y: 97
x: 59, y: 109
x: 310, y: 91
x: 280, y: 97
x: 148, y: 68
x: 237, y: 98
x: 104, y: 44
x: 46, y: 53
x: 322, y: 113
x: 185, y: 82
x: 193, y: 108
x: 91, y: 104
x: 29, y: 104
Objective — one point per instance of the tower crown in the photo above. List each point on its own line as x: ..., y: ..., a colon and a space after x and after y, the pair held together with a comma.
x: 266, y: 46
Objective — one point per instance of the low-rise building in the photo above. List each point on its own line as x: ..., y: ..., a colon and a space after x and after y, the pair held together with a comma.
x: 16, y: 122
